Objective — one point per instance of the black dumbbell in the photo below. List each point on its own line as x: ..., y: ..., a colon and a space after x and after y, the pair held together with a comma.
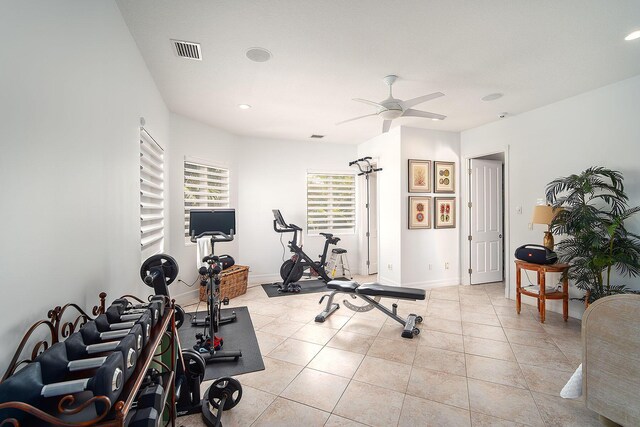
x: 116, y: 314
x: 150, y: 397
x: 103, y: 325
x: 121, y: 310
x: 29, y: 386
x: 145, y: 417
x: 58, y: 358
x: 92, y: 333
x: 89, y: 341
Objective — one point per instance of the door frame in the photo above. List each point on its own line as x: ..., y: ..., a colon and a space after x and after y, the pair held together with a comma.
x: 465, y: 192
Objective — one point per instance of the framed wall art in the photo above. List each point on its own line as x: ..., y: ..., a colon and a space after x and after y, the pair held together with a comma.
x: 419, y: 212
x: 419, y: 176
x: 444, y: 177
x: 444, y: 211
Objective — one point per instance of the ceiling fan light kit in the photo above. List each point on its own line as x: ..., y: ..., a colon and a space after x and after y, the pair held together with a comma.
x: 392, y: 108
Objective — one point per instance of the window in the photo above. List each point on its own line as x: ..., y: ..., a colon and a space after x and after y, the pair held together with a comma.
x: 151, y: 195
x: 205, y: 187
x: 331, y: 203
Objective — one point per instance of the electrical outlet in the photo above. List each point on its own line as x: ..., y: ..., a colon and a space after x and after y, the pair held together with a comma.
x: 530, y: 225
x: 446, y: 265
x: 390, y: 266
x: 519, y: 210
x: 429, y: 266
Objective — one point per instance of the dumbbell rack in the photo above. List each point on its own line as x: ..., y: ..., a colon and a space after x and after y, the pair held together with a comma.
x: 121, y: 409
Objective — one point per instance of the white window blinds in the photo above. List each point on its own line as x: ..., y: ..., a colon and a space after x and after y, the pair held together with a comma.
x: 331, y: 203
x: 151, y: 195
x: 205, y: 187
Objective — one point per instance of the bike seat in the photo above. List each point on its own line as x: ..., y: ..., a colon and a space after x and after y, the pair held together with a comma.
x: 327, y: 235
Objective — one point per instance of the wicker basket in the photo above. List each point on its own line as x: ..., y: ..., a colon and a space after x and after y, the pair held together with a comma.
x: 233, y: 282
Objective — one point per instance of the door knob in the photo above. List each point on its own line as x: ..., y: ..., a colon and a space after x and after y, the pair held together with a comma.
x: 500, y: 236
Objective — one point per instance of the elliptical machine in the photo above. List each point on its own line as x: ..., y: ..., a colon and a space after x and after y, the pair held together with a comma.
x: 219, y: 225
x: 294, y: 268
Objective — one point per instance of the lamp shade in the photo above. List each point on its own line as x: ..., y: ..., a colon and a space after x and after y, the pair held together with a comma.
x: 544, y: 214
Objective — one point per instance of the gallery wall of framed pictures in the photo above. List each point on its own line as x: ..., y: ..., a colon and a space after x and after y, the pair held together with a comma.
x: 426, y: 176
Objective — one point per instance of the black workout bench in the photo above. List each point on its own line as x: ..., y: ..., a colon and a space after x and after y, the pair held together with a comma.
x: 371, y: 293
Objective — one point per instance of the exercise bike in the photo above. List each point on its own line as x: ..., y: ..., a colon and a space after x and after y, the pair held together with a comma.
x: 294, y: 268
x: 219, y: 225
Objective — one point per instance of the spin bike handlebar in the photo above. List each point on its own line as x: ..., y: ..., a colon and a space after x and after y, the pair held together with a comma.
x: 216, y: 236
x: 290, y: 228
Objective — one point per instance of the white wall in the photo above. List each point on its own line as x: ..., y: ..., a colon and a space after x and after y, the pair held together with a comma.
x: 385, y: 149
x: 597, y: 128
x: 212, y: 146
x: 265, y: 175
x: 74, y: 87
x: 431, y: 247
x: 272, y: 175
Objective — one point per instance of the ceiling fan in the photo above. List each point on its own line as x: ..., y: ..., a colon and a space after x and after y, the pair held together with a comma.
x: 392, y: 108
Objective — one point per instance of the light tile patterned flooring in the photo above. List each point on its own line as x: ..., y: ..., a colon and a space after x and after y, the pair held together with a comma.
x: 475, y: 363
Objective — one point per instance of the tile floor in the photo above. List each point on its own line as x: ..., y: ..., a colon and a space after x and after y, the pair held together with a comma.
x: 475, y: 363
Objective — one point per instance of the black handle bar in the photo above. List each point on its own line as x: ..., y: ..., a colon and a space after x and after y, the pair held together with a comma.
x: 359, y: 160
x: 217, y: 236
x: 289, y: 229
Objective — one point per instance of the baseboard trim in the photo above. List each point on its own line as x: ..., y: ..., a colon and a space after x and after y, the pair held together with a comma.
x: 186, y: 297
x: 433, y: 284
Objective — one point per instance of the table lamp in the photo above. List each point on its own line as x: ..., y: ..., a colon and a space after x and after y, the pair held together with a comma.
x: 544, y: 214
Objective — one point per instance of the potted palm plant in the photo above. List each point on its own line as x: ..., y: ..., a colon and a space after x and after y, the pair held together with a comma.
x: 593, y: 215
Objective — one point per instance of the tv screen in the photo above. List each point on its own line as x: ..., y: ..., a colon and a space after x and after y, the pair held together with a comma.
x: 202, y: 221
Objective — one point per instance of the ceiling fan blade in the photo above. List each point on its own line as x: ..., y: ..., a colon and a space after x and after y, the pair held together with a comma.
x: 385, y: 126
x: 375, y: 104
x: 356, y: 118
x: 419, y: 100
x: 417, y: 113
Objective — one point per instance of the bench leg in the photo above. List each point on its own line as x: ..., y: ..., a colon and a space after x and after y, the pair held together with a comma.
x: 409, y: 327
x: 409, y: 324
x: 330, y: 307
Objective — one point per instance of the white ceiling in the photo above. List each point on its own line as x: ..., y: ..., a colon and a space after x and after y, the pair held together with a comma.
x: 326, y: 52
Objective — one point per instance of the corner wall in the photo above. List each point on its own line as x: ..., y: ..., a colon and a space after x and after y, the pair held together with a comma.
x: 411, y: 252
x: 430, y: 257
x: 69, y: 167
x: 597, y: 128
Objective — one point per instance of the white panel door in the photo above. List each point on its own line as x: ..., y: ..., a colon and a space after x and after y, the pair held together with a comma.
x: 486, y: 221
x: 372, y: 268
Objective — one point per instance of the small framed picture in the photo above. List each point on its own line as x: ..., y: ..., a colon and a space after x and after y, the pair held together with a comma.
x: 419, y: 212
x: 444, y: 211
x: 419, y: 176
x: 444, y: 177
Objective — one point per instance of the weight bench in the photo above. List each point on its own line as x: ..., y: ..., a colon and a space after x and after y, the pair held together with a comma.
x: 371, y: 293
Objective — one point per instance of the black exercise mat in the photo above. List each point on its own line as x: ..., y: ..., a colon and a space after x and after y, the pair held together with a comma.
x: 306, y: 287
x: 237, y: 335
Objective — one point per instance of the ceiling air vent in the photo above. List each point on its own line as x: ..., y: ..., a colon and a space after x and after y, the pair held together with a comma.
x: 187, y: 49
x: 315, y: 136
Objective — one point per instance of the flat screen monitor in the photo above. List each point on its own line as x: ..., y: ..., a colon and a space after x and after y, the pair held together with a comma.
x: 202, y: 221
x: 278, y: 216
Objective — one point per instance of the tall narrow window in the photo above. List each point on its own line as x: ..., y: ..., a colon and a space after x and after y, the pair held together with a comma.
x: 331, y: 203
x: 205, y: 187
x: 151, y: 195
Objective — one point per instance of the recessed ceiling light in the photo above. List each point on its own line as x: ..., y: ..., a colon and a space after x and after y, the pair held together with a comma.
x: 492, y: 97
x: 244, y: 106
x: 258, y: 54
x: 436, y: 120
x: 632, y: 36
